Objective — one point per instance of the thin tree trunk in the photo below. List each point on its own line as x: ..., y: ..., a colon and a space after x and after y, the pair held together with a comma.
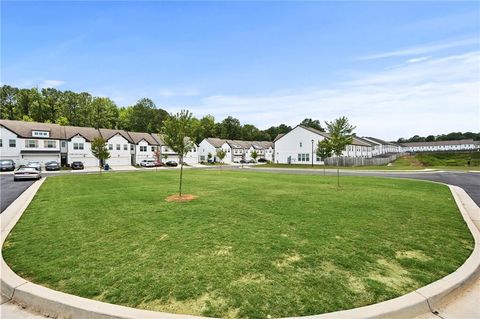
x: 338, y: 172
x: 181, y: 176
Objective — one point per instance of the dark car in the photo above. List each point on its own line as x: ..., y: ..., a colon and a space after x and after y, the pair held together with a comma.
x: 243, y: 161
x: 52, y: 166
x: 262, y: 160
x: 251, y: 161
x: 7, y: 165
x: 77, y: 165
x: 171, y: 163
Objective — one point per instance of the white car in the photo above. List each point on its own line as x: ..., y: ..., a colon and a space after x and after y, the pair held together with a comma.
x: 35, y: 165
x: 147, y: 163
x: 26, y: 173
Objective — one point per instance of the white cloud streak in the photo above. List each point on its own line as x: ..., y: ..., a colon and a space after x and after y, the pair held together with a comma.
x: 427, y: 97
x: 424, y: 49
x: 51, y: 83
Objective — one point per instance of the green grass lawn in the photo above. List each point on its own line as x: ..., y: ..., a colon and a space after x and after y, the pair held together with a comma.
x: 252, y: 245
x: 420, y: 161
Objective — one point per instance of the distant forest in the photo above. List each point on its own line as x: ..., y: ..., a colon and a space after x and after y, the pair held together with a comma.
x: 49, y: 105
x: 454, y: 136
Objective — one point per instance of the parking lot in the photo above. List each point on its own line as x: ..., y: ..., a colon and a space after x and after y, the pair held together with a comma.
x: 10, y: 190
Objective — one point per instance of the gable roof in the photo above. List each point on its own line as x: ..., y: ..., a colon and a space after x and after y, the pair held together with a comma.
x: 159, y: 139
x: 215, y: 142
x: 379, y: 141
x: 278, y: 137
x: 24, y: 129
x: 137, y: 137
x: 88, y: 133
x: 109, y: 133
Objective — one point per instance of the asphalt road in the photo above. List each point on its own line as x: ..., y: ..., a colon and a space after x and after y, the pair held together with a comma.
x: 10, y: 190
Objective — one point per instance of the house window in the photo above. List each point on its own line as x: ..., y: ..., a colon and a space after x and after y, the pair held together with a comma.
x: 12, y: 143
x: 153, y: 148
x: 40, y: 134
x: 64, y: 144
x: 118, y: 147
x: 125, y: 147
x: 49, y: 144
x: 75, y: 146
x: 31, y: 143
x: 132, y: 147
x: 300, y: 144
x: 110, y: 147
x: 299, y: 157
x: 1, y: 142
x: 143, y: 148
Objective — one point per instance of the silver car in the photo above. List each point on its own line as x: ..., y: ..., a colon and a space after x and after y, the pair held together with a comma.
x: 26, y: 173
x: 35, y: 165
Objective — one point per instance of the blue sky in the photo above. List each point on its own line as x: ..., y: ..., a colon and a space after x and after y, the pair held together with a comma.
x: 394, y: 68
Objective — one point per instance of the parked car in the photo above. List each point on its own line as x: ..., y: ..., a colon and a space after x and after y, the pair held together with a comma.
x: 171, y: 163
x: 251, y: 161
x: 77, y: 165
x: 7, y: 165
x: 158, y: 164
x: 52, y: 166
x: 147, y: 163
x: 262, y: 160
x: 26, y: 173
x: 35, y: 165
x: 243, y: 161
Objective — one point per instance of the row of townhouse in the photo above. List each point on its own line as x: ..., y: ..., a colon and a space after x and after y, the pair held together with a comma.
x: 442, y: 146
x: 235, y: 150
x: 299, y: 146
x: 43, y: 142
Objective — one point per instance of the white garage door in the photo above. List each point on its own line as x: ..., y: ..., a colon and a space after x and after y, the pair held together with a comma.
x: 42, y: 158
x: 119, y: 161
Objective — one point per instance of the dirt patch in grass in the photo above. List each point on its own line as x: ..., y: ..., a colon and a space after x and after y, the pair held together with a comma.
x: 392, y: 275
x: 411, y: 254
x: 181, y: 199
x: 287, y: 260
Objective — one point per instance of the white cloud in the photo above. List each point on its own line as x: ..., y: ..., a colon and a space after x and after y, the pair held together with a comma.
x: 423, y: 49
x: 51, y: 83
x: 427, y: 97
x: 164, y: 92
x: 420, y: 59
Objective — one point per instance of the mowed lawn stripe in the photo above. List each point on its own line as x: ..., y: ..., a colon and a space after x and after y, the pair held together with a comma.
x: 252, y: 245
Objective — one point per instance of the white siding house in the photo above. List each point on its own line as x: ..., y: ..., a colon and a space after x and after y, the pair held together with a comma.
x: 79, y: 145
x: 442, y: 146
x: 118, y: 143
x: 169, y: 155
x: 209, y: 145
x: 298, y: 146
x: 145, y: 146
x: 31, y: 141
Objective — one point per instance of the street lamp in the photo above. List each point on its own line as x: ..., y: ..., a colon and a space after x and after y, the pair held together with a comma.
x: 312, y: 152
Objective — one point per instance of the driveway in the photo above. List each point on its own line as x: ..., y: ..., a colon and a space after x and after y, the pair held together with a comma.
x: 10, y: 190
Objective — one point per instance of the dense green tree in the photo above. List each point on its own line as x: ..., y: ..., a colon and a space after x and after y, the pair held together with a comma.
x: 8, y: 101
x: 313, y: 124
x: 230, y: 128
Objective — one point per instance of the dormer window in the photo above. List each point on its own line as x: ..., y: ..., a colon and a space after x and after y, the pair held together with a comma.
x: 40, y: 134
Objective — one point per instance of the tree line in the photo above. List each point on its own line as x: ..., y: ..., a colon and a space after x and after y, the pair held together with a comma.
x: 49, y: 105
x: 454, y: 136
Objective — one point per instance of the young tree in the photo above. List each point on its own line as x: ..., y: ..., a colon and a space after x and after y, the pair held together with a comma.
x: 100, y: 151
x: 324, y: 150
x: 158, y: 156
x: 254, y: 155
x: 341, y: 135
x: 177, y: 129
x: 221, y: 154
x: 209, y: 157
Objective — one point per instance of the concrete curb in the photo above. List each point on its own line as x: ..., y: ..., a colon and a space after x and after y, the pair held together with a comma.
x: 62, y: 305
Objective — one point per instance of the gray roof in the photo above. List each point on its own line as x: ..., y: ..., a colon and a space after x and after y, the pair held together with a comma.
x: 137, y: 137
x: 159, y: 139
x: 215, y: 142
x: 24, y: 129
x: 439, y: 143
x: 278, y: 137
x: 356, y: 140
x: 89, y: 133
x: 378, y: 141
x: 109, y: 133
